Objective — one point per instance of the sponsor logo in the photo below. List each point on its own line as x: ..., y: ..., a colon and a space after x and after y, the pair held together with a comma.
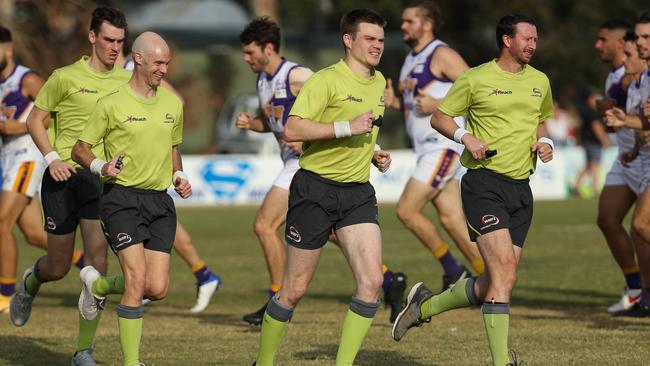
x: 350, y: 98
x: 50, y: 223
x: 131, y: 119
x: 381, y: 101
x: 84, y: 90
x: 499, y: 92
x: 536, y: 93
x: 488, y: 220
x: 169, y: 118
x: 293, y: 234
x: 227, y: 177
x: 123, y: 239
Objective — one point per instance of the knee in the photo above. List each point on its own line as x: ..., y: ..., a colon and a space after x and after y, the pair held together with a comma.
x: 262, y: 227
x: 640, y: 226
x: 370, y: 284
x: 404, y: 214
x: 504, y: 279
x: 135, y: 283
x: 37, y: 238
x: 156, y: 291
x: 447, y: 219
x: 607, y: 222
x: 292, y: 295
x: 58, y: 271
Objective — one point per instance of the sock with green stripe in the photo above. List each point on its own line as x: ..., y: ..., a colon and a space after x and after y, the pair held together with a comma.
x: 276, y: 319
x: 496, y: 317
x: 355, y: 328
x: 87, y: 330
x: 460, y: 296
x: 129, y: 321
x: 108, y: 285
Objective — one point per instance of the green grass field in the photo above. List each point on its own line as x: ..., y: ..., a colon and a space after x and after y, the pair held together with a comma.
x: 566, y: 281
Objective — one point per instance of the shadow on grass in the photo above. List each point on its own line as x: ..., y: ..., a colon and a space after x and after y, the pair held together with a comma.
x: 30, y: 351
x: 366, y: 357
x: 65, y: 299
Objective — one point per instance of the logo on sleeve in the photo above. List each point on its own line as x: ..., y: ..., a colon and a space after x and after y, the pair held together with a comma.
x: 169, y: 118
x: 536, y: 93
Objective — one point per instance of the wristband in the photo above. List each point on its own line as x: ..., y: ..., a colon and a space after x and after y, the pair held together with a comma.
x: 179, y: 174
x: 96, y: 166
x: 546, y: 140
x: 51, y: 156
x: 342, y: 129
x: 458, y: 135
x: 377, y: 147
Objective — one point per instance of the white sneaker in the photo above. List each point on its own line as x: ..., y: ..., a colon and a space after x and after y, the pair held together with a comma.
x: 629, y: 298
x: 205, y: 292
x: 89, y: 303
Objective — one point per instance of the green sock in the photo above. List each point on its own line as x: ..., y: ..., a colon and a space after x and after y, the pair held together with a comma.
x: 108, y: 285
x: 87, y: 330
x: 129, y: 320
x: 32, y: 284
x: 453, y: 298
x: 496, y: 318
x: 355, y: 328
x: 272, y: 334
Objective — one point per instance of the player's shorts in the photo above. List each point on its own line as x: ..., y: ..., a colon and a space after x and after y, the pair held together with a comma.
x: 593, y: 151
x: 493, y: 201
x: 64, y: 203
x: 22, y: 167
x: 630, y: 176
x: 130, y: 216
x: 283, y: 179
x: 318, y: 205
x: 436, y: 168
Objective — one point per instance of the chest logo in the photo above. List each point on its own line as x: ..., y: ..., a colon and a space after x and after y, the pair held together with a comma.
x: 131, y: 119
x: 84, y: 90
x: 498, y: 91
x: 169, y: 118
x: 350, y: 98
x: 536, y: 93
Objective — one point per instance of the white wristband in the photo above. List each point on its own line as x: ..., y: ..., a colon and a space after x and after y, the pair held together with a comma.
x: 458, y: 135
x: 377, y: 147
x: 342, y: 129
x: 179, y: 174
x: 51, y: 156
x: 96, y: 166
x: 546, y: 140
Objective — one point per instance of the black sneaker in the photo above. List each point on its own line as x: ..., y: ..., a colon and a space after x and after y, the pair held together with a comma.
x: 395, y: 294
x: 449, y: 282
x: 257, y: 317
x: 411, y: 315
x: 638, y: 310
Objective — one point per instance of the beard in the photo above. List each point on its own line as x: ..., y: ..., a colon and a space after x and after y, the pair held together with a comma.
x: 411, y: 42
x: 3, y: 64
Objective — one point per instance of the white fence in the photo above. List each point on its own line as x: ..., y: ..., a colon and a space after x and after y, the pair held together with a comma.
x: 244, y: 179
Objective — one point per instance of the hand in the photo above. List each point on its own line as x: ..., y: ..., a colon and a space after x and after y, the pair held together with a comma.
x: 475, y: 146
x: 182, y: 187
x: 61, y: 171
x: 646, y: 109
x: 425, y: 104
x: 362, y: 124
x: 615, y: 117
x: 543, y: 150
x: 11, y: 127
x: 389, y: 94
x: 381, y: 159
x: 243, y: 121
x: 295, y: 146
x: 109, y: 169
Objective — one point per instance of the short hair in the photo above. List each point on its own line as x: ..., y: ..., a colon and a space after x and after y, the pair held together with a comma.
x: 430, y: 10
x: 350, y: 20
x: 616, y: 24
x: 261, y: 31
x: 508, y: 26
x: 644, y: 18
x: 629, y: 36
x: 111, y: 15
x: 5, y: 35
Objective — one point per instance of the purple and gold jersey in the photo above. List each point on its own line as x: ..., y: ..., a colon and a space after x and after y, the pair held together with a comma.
x: 276, y: 100
x: 14, y: 104
x: 614, y: 86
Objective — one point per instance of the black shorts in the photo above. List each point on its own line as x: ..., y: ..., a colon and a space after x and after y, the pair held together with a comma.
x: 131, y: 216
x: 493, y: 201
x: 64, y: 203
x: 318, y: 205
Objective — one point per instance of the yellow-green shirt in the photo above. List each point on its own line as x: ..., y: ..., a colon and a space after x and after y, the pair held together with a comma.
x: 70, y: 94
x: 144, y: 128
x: 503, y: 109
x: 335, y: 94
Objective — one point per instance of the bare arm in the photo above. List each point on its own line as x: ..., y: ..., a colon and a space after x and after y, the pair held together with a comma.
x: 246, y: 121
x: 599, y: 130
x: 303, y: 129
x: 177, y: 161
x: 36, y: 128
x: 616, y: 117
x: 390, y: 99
x: 446, y: 125
x: 297, y: 78
x: 448, y: 63
x: 32, y: 84
x: 181, y: 184
x: 82, y: 154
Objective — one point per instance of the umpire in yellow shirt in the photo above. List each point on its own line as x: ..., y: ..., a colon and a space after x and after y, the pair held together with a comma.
x: 141, y: 126
x: 506, y: 101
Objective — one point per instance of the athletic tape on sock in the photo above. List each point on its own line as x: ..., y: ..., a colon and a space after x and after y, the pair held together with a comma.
x: 278, y: 311
x: 365, y: 309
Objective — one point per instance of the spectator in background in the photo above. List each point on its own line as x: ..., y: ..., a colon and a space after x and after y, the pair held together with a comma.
x: 593, y: 137
x: 561, y: 128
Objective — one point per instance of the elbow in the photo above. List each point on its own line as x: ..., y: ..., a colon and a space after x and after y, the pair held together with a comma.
x: 435, y: 117
x: 77, y: 152
x: 290, y: 132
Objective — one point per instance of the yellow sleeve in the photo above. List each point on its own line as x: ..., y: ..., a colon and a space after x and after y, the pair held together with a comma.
x: 459, y: 97
x: 313, y: 99
x: 547, y: 110
x: 177, y: 131
x: 97, y: 125
x: 51, y: 94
